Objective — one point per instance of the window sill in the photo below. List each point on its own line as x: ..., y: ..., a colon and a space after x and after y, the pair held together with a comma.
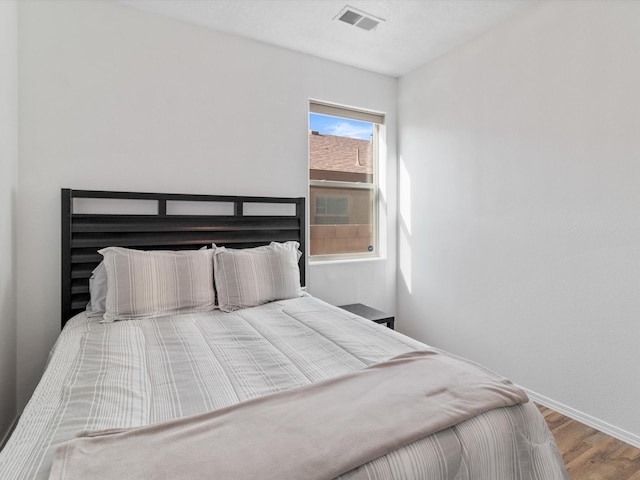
x: 334, y: 261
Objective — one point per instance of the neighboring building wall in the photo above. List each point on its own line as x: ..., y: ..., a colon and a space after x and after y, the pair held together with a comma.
x: 331, y: 234
x: 348, y: 229
x: 331, y: 239
x: 519, y: 186
x: 115, y: 98
x: 8, y: 183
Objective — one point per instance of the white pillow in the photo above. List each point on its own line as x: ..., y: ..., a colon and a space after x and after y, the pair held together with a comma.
x: 97, y: 292
x: 254, y: 276
x: 157, y: 283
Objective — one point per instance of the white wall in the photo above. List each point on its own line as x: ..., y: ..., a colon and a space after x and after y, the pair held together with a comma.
x: 8, y: 182
x: 519, y: 235
x: 120, y: 99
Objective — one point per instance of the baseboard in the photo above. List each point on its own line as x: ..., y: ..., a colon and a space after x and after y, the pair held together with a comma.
x: 4, y: 439
x: 593, y: 422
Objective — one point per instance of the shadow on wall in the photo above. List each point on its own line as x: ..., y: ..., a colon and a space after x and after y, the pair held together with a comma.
x: 8, y: 324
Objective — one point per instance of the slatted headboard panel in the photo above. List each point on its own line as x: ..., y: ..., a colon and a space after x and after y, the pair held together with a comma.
x: 83, y: 234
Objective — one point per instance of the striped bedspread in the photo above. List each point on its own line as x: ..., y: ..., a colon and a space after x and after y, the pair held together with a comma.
x: 134, y: 373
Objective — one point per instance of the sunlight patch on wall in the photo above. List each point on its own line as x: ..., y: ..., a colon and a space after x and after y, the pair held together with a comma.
x: 404, y: 191
x: 405, y: 258
x: 404, y: 251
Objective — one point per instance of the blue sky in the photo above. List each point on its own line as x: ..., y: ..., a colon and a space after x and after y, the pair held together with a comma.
x: 342, y: 127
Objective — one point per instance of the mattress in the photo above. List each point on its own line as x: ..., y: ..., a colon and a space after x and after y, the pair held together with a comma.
x: 141, y: 372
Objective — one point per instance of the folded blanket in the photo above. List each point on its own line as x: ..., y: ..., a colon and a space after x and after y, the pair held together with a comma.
x: 319, y: 431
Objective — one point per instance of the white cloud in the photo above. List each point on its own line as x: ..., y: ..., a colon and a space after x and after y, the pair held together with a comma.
x: 346, y: 129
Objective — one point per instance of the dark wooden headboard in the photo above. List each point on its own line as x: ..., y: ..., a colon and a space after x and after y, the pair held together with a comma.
x: 163, y: 226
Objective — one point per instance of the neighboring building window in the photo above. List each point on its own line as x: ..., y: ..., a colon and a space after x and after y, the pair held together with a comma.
x: 343, y: 184
x: 331, y: 209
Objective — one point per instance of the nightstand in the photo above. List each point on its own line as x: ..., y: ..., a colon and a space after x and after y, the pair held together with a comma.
x: 370, y: 313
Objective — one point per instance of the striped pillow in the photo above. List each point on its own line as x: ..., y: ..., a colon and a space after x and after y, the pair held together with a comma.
x: 254, y: 276
x: 156, y: 283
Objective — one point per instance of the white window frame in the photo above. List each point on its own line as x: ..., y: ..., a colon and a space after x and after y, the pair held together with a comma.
x: 377, y: 119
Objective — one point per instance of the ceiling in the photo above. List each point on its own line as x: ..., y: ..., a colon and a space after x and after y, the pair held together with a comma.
x: 413, y: 33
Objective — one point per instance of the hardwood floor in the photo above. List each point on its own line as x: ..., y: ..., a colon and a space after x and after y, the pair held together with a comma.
x: 590, y: 454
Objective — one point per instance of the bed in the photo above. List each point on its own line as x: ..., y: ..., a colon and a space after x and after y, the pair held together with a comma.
x: 156, y: 370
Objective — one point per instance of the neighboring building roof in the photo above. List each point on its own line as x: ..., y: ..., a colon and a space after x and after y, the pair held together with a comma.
x: 340, y: 154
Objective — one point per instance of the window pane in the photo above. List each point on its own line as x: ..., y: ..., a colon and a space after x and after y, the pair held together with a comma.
x: 340, y: 149
x: 345, y: 225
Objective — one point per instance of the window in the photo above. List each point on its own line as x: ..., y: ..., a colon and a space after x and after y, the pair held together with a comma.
x: 343, y: 184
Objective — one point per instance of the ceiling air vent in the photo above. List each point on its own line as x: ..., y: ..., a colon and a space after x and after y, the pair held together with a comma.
x: 358, y: 18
